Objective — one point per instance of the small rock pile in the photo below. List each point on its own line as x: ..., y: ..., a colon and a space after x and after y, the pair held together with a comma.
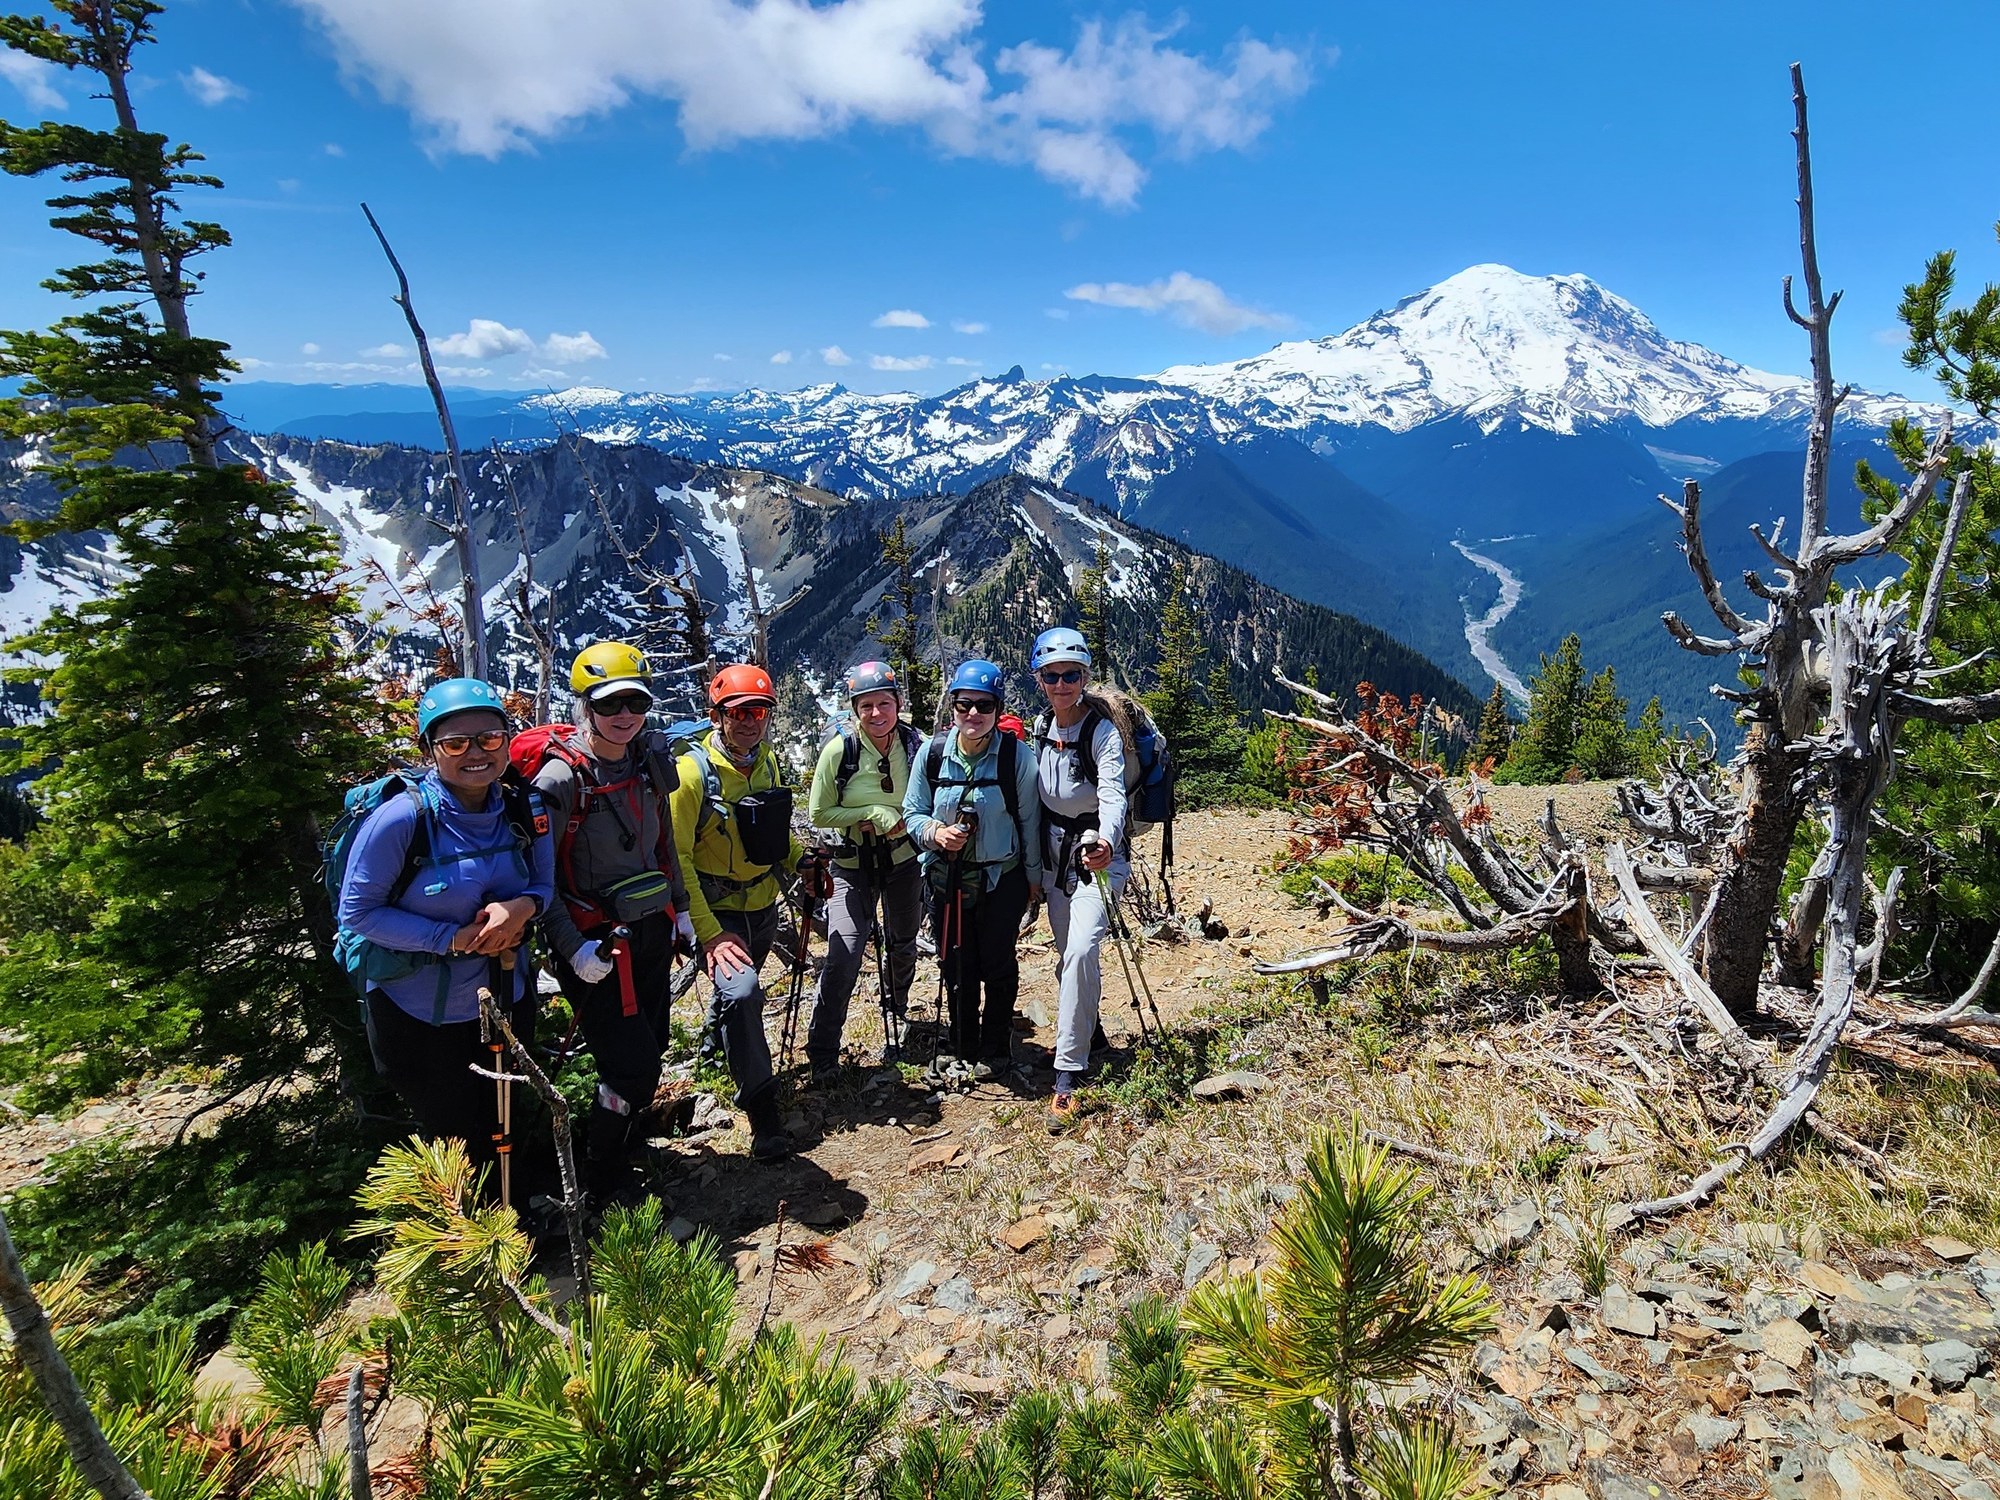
x: 1739, y: 1366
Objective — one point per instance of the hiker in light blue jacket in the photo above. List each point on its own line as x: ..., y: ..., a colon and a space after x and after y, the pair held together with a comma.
x: 454, y: 870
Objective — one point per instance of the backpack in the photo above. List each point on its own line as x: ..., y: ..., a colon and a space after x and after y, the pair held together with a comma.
x: 1150, y: 768
x: 368, y: 964
x: 531, y: 749
x: 1008, y: 781
x: 843, y: 727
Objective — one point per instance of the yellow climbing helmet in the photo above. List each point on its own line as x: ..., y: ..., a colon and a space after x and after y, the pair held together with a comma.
x: 609, y: 664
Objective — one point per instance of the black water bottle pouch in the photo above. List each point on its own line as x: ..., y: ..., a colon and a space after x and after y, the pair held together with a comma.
x: 764, y: 824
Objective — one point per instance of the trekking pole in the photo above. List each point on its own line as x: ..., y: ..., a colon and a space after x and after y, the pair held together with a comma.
x: 1121, y: 939
x: 802, y: 915
x: 878, y: 862
x: 490, y: 1038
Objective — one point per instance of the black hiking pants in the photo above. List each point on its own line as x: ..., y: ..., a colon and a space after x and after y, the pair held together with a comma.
x: 430, y: 1068
x: 626, y: 1048
x: 976, y: 932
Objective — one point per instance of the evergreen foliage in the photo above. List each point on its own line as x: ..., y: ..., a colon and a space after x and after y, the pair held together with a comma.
x: 1603, y: 744
x: 901, y: 641
x: 1194, y: 709
x: 1576, y: 727
x: 1351, y: 1304
x: 1495, y: 735
x: 1942, y: 811
x: 1093, y: 613
x: 203, y: 713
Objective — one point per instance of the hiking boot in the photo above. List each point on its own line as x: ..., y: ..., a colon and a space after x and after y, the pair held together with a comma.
x: 982, y: 1072
x: 825, y: 1075
x: 1063, y: 1113
x: 776, y: 1145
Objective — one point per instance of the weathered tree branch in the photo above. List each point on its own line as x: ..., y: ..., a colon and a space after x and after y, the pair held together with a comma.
x: 472, y: 607
x: 1689, y: 510
x: 34, y: 1342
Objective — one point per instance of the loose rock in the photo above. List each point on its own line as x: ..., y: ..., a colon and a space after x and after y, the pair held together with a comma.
x: 1233, y: 1085
x: 1625, y: 1313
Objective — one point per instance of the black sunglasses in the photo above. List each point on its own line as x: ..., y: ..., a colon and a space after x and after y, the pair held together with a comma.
x: 888, y: 781
x: 974, y: 706
x: 1074, y: 674
x: 624, y: 703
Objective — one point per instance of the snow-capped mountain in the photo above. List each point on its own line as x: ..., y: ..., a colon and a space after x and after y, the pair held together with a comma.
x: 1490, y: 342
x: 1490, y: 345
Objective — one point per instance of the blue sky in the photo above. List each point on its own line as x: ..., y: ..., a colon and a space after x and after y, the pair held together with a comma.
x: 701, y: 185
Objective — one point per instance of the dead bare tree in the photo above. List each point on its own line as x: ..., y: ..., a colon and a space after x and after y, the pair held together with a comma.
x: 541, y: 633
x: 35, y: 1344
x: 472, y: 604
x: 1371, y: 784
x: 761, y: 619
x: 1787, y: 647
x: 1876, y: 657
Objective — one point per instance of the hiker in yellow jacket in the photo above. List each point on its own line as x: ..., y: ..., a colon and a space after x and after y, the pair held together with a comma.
x: 732, y: 817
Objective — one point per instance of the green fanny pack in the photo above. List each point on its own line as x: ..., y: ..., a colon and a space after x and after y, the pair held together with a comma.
x: 637, y: 897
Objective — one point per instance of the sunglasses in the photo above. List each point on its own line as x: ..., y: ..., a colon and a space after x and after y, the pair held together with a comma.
x: 458, y: 744
x: 624, y: 703
x: 888, y: 781
x: 975, y: 706
x: 1074, y: 674
x: 746, y: 713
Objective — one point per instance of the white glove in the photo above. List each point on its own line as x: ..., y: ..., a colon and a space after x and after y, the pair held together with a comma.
x: 591, y: 964
x: 684, y: 930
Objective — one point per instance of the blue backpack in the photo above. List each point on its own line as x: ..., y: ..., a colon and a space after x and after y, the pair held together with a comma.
x: 1150, y: 769
x: 368, y: 964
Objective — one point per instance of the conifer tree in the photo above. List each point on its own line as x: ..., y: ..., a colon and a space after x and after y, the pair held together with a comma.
x: 901, y: 643
x: 203, y: 714
x: 1204, y: 728
x: 1175, y: 701
x: 1545, y: 746
x: 1603, y: 746
x: 1648, y: 752
x: 1496, y: 730
x: 1093, y: 612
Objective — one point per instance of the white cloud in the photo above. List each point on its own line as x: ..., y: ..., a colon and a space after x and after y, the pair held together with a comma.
x: 970, y: 364
x: 833, y: 354
x: 572, y: 348
x: 464, y: 372
x: 485, y: 339
x: 782, y: 357
x: 250, y: 361
x: 1189, y: 300
x: 212, y: 88
x: 485, y: 78
x: 536, y: 372
x: 386, y: 351
x: 898, y: 362
x: 902, y: 317
x: 334, y: 148
x: 723, y: 359
x: 960, y: 325
x: 309, y: 348
x: 34, y: 78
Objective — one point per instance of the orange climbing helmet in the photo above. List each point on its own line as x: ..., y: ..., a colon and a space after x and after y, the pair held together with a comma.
x: 744, y: 683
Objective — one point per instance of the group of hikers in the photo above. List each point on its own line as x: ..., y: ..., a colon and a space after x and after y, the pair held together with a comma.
x: 627, y: 846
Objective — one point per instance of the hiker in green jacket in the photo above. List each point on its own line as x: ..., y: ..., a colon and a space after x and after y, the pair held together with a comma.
x: 857, y: 791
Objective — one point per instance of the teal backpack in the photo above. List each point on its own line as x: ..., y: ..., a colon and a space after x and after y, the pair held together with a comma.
x: 368, y: 964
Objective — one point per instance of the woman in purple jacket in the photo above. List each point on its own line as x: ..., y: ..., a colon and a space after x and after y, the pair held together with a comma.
x: 454, y: 870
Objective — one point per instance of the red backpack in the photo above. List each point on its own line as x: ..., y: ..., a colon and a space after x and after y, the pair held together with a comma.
x: 531, y: 750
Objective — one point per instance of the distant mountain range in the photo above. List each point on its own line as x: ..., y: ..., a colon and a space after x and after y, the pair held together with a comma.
x: 1341, y: 470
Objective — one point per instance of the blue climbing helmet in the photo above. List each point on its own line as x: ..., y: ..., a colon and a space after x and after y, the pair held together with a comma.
x: 456, y: 695
x: 1059, y: 645
x: 870, y: 677
x: 978, y: 676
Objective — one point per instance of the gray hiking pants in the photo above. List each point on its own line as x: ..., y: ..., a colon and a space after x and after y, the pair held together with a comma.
x: 850, y: 920
x: 736, y: 1005
x: 1080, y: 923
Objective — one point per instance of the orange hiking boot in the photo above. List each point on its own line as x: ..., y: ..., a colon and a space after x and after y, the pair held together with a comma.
x: 1063, y: 1113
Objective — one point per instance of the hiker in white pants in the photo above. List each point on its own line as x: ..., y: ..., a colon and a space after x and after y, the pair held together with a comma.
x: 1084, y: 851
